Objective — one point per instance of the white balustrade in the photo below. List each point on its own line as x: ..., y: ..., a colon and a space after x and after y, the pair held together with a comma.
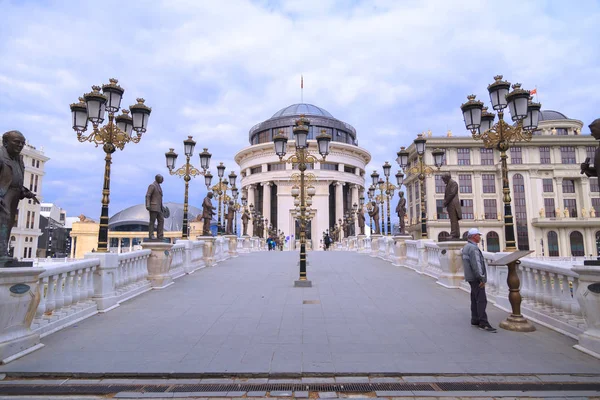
x: 412, y: 254
x: 178, y: 261
x: 132, y: 273
x: 433, y: 267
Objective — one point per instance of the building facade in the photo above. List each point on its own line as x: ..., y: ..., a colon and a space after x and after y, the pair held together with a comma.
x: 25, y: 233
x: 54, y: 240
x: 339, y: 181
x: 556, y: 209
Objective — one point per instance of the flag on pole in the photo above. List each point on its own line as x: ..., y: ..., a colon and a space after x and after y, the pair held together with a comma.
x: 301, y: 82
x: 532, y: 92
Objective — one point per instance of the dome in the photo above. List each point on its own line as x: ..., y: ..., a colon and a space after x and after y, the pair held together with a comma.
x: 138, y: 215
x: 550, y: 115
x: 302, y: 108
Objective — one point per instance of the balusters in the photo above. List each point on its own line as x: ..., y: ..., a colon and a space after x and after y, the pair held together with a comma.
x: 91, y: 282
x: 556, y: 304
x: 68, y: 296
x: 50, y: 296
x: 539, y: 294
x: 575, y: 309
x: 75, y: 295
x: 42, y: 305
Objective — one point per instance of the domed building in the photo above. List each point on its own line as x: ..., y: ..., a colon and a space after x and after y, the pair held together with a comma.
x: 339, y: 181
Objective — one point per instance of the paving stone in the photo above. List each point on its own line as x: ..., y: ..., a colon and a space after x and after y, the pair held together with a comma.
x: 256, y: 394
x: 138, y: 395
x: 328, y: 395
x: 388, y: 393
x: 278, y: 393
x: 236, y: 394
x: 318, y: 380
x: 385, y: 379
x: 301, y: 395
x: 352, y: 379
x: 217, y: 381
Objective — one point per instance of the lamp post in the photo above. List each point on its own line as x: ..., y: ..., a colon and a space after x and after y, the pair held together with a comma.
x: 116, y: 134
x: 380, y: 198
x: 301, y: 157
x: 187, y: 172
x: 423, y: 170
x: 371, y: 195
x: 400, y: 182
x: 389, y: 192
x: 220, y: 190
x: 500, y: 135
x: 480, y: 122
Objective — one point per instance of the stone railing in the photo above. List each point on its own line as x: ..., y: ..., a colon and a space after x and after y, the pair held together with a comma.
x: 412, y: 254
x: 131, y: 275
x: 433, y: 267
x: 177, y: 264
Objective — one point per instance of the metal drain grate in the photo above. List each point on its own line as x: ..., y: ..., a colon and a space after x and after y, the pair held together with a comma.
x: 66, y: 389
x: 516, y: 386
x: 294, y: 387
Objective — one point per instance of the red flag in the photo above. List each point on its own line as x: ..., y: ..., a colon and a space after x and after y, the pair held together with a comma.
x: 532, y: 92
x: 301, y: 82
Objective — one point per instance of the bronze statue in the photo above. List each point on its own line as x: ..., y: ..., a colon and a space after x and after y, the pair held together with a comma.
x: 229, y: 218
x: 361, y: 220
x: 374, y: 213
x: 154, y: 205
x: 452, y: 203
x: 401, y: 211
x: 585, y: 167
x: 245, y: 218
x: 208, y: 210
x: 12, y: 171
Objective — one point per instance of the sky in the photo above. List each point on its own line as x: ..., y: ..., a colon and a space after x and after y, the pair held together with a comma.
x: 213, y: 69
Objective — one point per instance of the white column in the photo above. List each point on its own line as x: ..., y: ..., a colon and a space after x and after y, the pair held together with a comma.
x: 266, y: 211
x: 119, y: 250
x: 250, y: 201
x: 339, y: 201
x: 583, y: 198
x: 559, y: 195
x: 73, y: 244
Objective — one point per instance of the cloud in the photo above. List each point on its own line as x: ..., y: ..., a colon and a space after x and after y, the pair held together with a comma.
x: 214, y: 69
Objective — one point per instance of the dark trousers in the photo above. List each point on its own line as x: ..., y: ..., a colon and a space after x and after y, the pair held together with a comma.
x: 156, y: 216
x: 478, y: 304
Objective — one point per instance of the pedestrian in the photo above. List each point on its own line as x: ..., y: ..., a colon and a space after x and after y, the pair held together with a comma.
x: 476, y: 275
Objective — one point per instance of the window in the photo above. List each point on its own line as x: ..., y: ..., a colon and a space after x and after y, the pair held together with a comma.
x: 571, y: 205
x: 594, y: 187
x: 330, y: 167
x: 590, y: 152
x: 440, y: 186
x: 32, y: 162
x: 548, y: 185
x: 549, y: 208
x: 464, y: 156
x: 568, y: 186
x: 553, y: 244
x: 516, y: 155
x: 255, y: 170
x: 32, y: 219
x: 489, y: 183
x: 25, y: 252
x: 487, y: 156
x: 467, y: 209
x: 577, y: 249
x: 276, y: 167
x: 410, y: 196
x: 35, y: 186
x: 520, y: 212
x: 443, y: 236
x: 441, y: 211
x: 29, y: 252
x: 28, y: 218
x: 561, y: 131
x: 490, y: 209
x: 37, y: 164
x: 493, y: 242
x: 464, y: 184
x: 596, y: 205
x: 417, y: 191
x: 350, y: 170
x: 567, y: 154
x: 544, y: 155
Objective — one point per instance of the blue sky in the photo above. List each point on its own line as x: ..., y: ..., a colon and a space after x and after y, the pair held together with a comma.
x: 213, y: 69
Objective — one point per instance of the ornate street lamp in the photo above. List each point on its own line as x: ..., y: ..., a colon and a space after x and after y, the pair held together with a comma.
x: 422, y: 170
x: 389, y: 192
x: 116, y: 134
x: 525, y: 113
x: 187, y: 172
x: 302, y: 157
x: 220, y: 191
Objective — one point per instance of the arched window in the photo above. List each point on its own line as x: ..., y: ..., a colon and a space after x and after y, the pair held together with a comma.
x: 553, y: 244
x: 598, y: 243
x: 577, y: 249
x: 520, y: 212
x: 492, y: 241
x: 445, y: 236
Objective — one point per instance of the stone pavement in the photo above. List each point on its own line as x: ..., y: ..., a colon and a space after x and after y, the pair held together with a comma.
x: 362, y: 315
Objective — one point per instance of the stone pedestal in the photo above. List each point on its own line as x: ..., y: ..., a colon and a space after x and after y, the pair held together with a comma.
x: 209, y: 250
x: 246, y: 244
x: 360, y: 243
x: 105, y: 283
x: 588, y: 297
x: 352, y: 243
x: 451, y: 264
x: 19, y: 300
x: 255, y: 243
x: 375, y: 243
x: 159, y: 264
x: 232, y: 245
x: 399, y: 250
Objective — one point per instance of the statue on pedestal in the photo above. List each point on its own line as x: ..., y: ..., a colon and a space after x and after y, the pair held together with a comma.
x: 567, y: 213
x: 452, y: 204
x: 208, y: 210
x: 361, y: 220
x: 592, y: 212
x: 245, y: 219
x: 542, y: 212
x: 584, y: 212
x: 374, y: 213
x: 585, y: 166
x: 401, y: 211
x: 154, y: 205
x: 12, y: 171
x: 229, y: 218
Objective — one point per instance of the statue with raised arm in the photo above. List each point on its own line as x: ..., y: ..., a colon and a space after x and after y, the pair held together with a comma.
x: 245, y: 219
x: 12, y: 171
x: 229, y: 218
x: 401, y: 211
x: 374, y: 213
x: 154, y: 205
x: 452, y: 204
x: 208, y: 210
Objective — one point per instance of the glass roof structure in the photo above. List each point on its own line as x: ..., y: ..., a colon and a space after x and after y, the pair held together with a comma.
x: 302, y: 108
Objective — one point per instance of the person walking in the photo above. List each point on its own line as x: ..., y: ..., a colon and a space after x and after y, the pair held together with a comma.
x: 476, y: 275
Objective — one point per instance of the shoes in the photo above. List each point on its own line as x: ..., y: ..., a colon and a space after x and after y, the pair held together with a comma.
x: 487, y: 328
x: 474, y: 322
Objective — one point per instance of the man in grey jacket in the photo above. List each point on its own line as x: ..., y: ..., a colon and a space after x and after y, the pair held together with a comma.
x: 476, y: 275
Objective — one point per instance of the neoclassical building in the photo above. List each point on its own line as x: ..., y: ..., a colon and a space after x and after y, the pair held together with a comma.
x: 338, y: 182
x: 556, y: 209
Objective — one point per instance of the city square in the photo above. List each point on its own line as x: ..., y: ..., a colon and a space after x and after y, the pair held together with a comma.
x: 211, y: 227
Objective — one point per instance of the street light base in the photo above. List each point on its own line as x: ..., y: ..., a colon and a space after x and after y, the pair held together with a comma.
x: 304, y: 283
x: 517, y: 323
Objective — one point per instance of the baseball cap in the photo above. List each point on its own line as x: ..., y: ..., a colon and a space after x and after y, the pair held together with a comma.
x: 474, y: 231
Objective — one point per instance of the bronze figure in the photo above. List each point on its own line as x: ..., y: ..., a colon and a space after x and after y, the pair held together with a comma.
x: 154, y: 205
x: 12, y: 171
x: 585, y: 167
x: 374, y: 213
x: 245, y: 218
x: 401, y: 211
x: 361, y: 220
x: 229, y: 218
x: 452, y: 203
x: 208, y: 210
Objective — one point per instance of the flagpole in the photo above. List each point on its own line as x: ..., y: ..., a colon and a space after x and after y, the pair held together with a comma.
x: 301, y: 89
x: 537, y: 96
